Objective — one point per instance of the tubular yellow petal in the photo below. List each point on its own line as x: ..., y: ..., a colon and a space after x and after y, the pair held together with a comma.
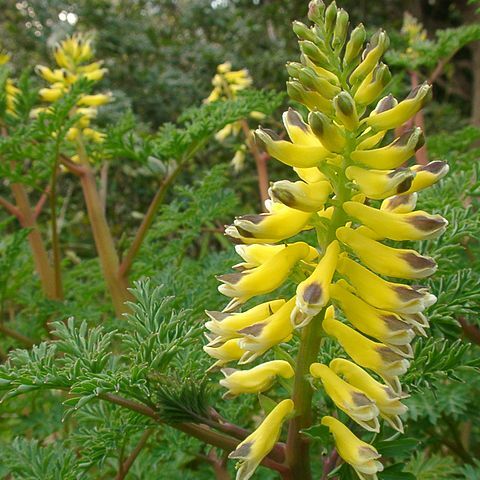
x: 311, y: 99
x: 228, y: 324
x: 380, y: 324
x: 360, y: 455
x: 392, y: 262
x: 260, y: 337
x: 225, y: 352
x: 300, y: 195
x: 427, y: 175
x: 369, y: 354
x: 373, y: 85
x: 258, y: 445
x: 310, y: 175
x: 95, y: 100
x: 376, y: 291
x: 399, y: 114
x: 330, y: 134
x: 51, y: 94
x: 392, y: 155
x: 417, y: 225
x: 257, y: 379
x: 379, y: 184
x: 299, y: 132
x: 400, y: 203
x: 294, y: 155
x: 265, y: 278
x: 347, y: 398
x: 313, y: 293
x: 281, y: 223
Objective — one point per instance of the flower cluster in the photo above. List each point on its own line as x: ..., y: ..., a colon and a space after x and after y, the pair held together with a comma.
x: 226, y: 85
x: 358, y: 196
x: 11, y: 90
x: 73, y: 57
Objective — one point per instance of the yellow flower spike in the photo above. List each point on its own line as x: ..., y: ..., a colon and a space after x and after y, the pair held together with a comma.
x: 262, y: 336
x: 373, y: 85
x: 313, y: 293
x: 369, y: 354
x: 427, y: 175
x: 227, y: 324
x: 387, y: 401
x: 392, y: 155
x: 299, y: 132
x: 256, y: 380
x: 263, y: 279
x: 396, y: 297
x: 280, y: 223
x: 224, y: 352
x: 330, y: 134
x: 380, y: 324
x: 400, y: 203
x: 358, y: 406
x: 346, y: 111
x: 357, y: 453
x: 294, y: 155
x: 300, y: 195
x: 418, y: 225
x: 399, y: 114
x: 379, y: 184
x: 371, y: 55
x: 95, y: 100
x: 51, y: 94
x: 251, y: 451
x: 385, y: 260
x: 257, y: 254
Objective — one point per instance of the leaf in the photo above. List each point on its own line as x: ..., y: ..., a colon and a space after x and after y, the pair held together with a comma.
x: 398, y: 448
x: 318, y: 432
x: 395, y: 472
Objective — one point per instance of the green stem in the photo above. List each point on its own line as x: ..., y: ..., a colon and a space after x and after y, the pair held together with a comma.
x: 298, y: 455
x: 127, y: 261
x: 55, y: 239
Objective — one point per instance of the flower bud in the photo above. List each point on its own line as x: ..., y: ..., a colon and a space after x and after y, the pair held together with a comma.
x: 316, y: 10
x: 303, y: 32
x: 294, y: 68
x: 310, y: 79
x: 329, y: 134
x: 346, y: 110
x: 330, y: 18
x: 313, y: 53
x: 312, y: 100
x: 354, y: 45
x: 341, y: 29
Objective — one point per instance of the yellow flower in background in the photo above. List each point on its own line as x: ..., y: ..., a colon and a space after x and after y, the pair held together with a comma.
x: 11, y: 90
x: 258, y: 445
x: 353, y: 195
x: 73, y: 58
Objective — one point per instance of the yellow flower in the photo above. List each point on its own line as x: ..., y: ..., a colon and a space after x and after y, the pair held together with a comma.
x: 369, y: 354
x: 313, y: 293
x: 264, y: 278
x: 258, y: 445
x: 427, y: 175
x: 224, y: 352
x: 385, y: 260
x: 256, y: 380
x: 387, y: 401
x: 261, y: 336
x: 308, y: 197
x: 228, y: 324
x: 358, y: 406
x: 385, y: 295
x: 357, y: 453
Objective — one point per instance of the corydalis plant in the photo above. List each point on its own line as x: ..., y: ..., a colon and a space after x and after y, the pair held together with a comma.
x: 358, y: 197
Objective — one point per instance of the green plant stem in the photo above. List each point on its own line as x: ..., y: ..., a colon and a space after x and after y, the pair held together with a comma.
x: 298, y: 455
x: 55, y: 238
x: 157, y: 200
x: 27, y: 342
x: 39, y: 252
x: 107, y: 253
